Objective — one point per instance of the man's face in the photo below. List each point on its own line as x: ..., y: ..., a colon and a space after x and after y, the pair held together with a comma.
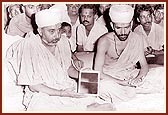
x: 159, y: 15
x: 73, y: 8
x: 145, y: 19
x: 122, y: 30
x: 14, y: 10
x: 87, y: 17
x: 31, y: 9
x: 104, y: 7
x: 67, y: 31
x: 51, y: 35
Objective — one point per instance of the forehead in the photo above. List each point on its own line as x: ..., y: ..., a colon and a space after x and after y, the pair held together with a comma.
x: 122, y: 24
x: 12, y: 7
x: 144, y: 13
x: 87, y: 11
x: 32, y: 5
x: 70, y: 5
x: 104, y: 5
x: 55, y: 27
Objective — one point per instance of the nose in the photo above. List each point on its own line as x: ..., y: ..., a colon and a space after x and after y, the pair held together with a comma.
x: 147, y: 19
x: 103, y: 9
x: 122, y: 31
x: 85, y: 18
x: 57, y: 34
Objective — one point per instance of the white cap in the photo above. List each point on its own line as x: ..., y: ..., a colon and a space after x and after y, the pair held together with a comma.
x: 121, y: 13
x: 48, y: 17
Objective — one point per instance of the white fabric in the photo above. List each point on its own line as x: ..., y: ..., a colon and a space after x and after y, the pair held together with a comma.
x: 121, y: 13
x: 19, y: 26
x: 48, y: 17
x: 12, y: 94
x: 151, y: 95
x: 155, y: 39
x: 33, y: 64
x: 88, y: 42
x: 72, y: 39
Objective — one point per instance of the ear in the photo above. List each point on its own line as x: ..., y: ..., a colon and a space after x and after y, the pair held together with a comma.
x: 111, y: 23
x: 131, y: 24
x: 95, y: 17
x: 10, y: 15
x: 138, y: 20
x: 39, y: 31
x: 23, y: 8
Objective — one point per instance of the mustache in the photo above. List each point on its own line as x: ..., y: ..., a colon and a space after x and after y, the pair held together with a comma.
x: 55, y: 40
x: 147, y: 22
x: 123, y: 35
x: 85, y: 21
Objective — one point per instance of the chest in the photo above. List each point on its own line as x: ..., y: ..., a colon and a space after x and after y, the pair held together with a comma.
x: 115, y: 50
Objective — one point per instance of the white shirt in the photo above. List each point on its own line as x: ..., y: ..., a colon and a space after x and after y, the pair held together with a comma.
x: 155, y: 39
x: 88, y: 42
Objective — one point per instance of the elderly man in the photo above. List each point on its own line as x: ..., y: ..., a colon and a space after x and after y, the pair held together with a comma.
x: 117, y: 55
x: 40, y: 63
x: 21, y: 24
x: 151, y: 33
x: 89, y: 31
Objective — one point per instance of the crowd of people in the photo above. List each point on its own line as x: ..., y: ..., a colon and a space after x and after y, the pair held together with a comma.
x: 124, y: 38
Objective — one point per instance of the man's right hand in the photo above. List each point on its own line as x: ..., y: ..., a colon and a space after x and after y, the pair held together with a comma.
x: 69, y: 92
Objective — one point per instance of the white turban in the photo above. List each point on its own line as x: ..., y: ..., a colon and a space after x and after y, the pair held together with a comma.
x: 48, y: 17
x: 121, y: 13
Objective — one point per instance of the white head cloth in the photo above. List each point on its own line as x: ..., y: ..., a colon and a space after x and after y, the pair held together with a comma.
x: 48, y: 17
x: 121, y: 13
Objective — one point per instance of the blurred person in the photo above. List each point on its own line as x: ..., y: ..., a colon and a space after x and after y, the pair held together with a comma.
x: 151, y: 33
x: 21, y: 24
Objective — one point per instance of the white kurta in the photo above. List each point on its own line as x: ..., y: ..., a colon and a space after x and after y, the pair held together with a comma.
x: 155, y: 39
x: 33, y: 64
x: 88, y: 42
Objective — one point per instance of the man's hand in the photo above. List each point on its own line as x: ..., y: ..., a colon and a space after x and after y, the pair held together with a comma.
x: 69, y: 92
x: 78, y: 64
x: 148, y: 50
x: 138, y: 81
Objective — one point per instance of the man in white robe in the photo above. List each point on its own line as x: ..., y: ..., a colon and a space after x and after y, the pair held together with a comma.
x: 40, y: 63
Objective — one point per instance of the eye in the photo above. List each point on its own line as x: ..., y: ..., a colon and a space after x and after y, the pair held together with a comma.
x: 51, y: 31
x: 30, y: 6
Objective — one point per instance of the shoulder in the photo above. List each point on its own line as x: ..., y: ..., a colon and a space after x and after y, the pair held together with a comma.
x: 17, y: 19
x: 158, y: 27
x: 104, y: 40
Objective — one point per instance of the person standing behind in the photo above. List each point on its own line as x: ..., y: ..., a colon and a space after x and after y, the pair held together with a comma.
x: 151, y: 33
x: 21, y: 24
x: 158, y: 14
x: 89, y: 31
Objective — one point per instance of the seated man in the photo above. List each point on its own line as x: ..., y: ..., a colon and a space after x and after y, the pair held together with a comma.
x: 158, y: 14
x: 21, y: 24
x: 151, y: 33
x: 89, y: 31
x: 117, y: 55
x: 41, y: 62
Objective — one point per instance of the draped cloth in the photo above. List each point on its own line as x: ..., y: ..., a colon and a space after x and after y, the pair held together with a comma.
x: 33, y: 64
x: 124, y: 67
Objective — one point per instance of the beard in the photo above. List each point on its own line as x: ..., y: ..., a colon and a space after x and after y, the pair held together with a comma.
x: 122, y: 37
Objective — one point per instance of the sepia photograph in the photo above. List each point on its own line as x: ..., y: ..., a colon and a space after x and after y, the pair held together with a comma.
x: 89, y: 82
x: 83, y: 57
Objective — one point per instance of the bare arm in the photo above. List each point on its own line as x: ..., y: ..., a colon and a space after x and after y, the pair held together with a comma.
x: 102, y: 48
x: 142, y: 74
x: 54, y: 92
